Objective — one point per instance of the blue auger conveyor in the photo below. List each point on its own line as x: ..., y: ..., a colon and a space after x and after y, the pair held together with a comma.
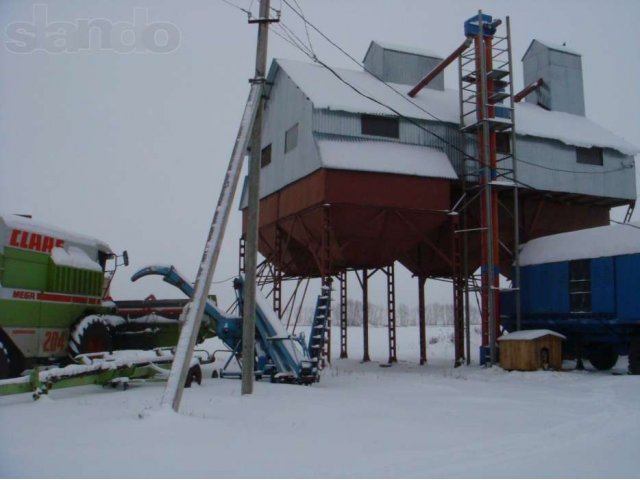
x: 281, y: 356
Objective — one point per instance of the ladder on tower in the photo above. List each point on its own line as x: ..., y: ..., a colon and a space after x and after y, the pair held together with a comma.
x: 629, y: 214
x: 487, y: 112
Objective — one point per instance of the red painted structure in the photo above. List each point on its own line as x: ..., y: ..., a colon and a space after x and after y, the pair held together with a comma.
x: 333, y: 221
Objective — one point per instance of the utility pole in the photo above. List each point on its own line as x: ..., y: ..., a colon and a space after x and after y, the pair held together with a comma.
x: 192, y: 314
x: 251, y: 255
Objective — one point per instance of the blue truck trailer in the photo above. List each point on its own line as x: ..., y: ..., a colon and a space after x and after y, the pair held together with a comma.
x: 585, y: 285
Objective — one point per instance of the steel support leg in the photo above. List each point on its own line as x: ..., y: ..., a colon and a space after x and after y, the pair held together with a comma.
x: 365, y: 315
x: 241, y: 256
x: 277, y: 274
x: 343, y: 314
x: 422, y: 319
x: 458, y: 294
x: 391, y: 312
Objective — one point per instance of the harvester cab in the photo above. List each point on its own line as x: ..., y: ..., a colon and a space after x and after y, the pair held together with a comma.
x: 110, y: 263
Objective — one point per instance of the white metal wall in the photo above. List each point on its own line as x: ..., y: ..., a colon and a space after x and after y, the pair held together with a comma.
x: 286, y: 105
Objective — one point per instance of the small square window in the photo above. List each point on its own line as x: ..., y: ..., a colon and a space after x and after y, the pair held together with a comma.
x: 589, y: 156
x: 380, y: 126
x: 503, y: 143
x: 580, y: 286
x: 265, y: 156
x: 291, y: 138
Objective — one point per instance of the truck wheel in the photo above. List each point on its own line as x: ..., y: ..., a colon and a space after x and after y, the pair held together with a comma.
x: 603, y: 356
x: 90, y: 335
x: 634, y: 354
x: 5, y: 367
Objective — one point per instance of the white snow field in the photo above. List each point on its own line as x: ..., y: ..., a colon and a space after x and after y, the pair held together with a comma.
x: 361, y: 420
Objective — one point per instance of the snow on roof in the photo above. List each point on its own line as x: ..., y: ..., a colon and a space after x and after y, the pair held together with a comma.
x: 530, y: 335
x: 74, y: 257
x: 607, y: 241
x: 407, y: 49
x: 328, y: 92
x: 554, y: 46
x: 386, y: 157
x: 16, y: 222
x: 570, y: 129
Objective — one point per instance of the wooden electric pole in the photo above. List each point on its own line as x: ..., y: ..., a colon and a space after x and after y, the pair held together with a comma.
x: 193, y: 312
x: 251, y: 256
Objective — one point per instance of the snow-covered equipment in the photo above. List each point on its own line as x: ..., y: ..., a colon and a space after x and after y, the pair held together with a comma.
x: 107, y: 369
x: 584, y: 285
x: 55, y: 304
x: 279, y: 355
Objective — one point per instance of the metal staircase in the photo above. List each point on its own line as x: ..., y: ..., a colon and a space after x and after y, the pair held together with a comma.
x: 319, y: 330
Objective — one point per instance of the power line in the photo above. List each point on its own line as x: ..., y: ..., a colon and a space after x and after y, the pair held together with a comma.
x: 622, y: 167
x: 248, y: 12
x: 307, y: 22
x: 305, y: 26
x: 223, y: 281
x: 361, y: 65
x: 294, y: 40
x: 375, y: 100
x: 400, y: 115
x: 625, y: 224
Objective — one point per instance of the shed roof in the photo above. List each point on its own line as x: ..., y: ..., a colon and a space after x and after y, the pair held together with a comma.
x: 423, y: 52
x: 530, y: 335
x: 326, y: 91
x: 387, y: 157
x: 607, y: 241
x: 551, y: 46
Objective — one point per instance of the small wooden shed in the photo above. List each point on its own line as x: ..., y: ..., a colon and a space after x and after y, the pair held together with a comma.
x: 528, y: 350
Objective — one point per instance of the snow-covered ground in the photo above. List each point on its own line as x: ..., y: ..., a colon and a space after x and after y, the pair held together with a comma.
x: 361, y: 420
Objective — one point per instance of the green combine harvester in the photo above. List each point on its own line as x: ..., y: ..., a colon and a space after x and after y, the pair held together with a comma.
x: 55, y: 311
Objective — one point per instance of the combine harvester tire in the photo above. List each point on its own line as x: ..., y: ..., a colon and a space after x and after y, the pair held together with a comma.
x: 90, y: 335
x: 5, y: 366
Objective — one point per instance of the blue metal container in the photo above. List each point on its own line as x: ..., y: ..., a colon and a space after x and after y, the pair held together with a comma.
x: 471, y: 26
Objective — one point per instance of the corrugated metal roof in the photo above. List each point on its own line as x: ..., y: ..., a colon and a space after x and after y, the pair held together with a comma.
x: 552, y: 46
x: 385, y: 157
x: 326, y: 91
x: 406, y: 49
x: 607, y: 241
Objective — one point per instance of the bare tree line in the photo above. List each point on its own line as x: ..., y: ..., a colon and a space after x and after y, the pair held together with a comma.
x: 436, y: 314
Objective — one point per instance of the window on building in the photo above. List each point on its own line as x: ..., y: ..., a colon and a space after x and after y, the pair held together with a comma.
x: 380, y: 126
x: 590, y: 156
x: 580, y: 285
x: 291, y: 138
x: 265, y: 156
x: 503, y: 143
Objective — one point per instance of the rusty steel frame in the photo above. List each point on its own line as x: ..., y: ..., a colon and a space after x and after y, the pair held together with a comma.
x: 458, y: 292
x: 391, y: 311
x: 342, y: 278
x: 363, y: 279
x: 277, y: 274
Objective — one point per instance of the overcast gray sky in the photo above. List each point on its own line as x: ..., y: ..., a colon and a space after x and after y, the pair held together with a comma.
x: 132, y: 147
